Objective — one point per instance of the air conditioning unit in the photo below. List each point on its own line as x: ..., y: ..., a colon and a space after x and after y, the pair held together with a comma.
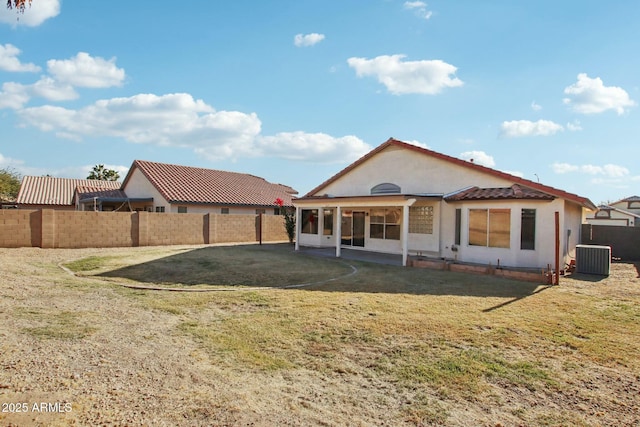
x: 593, y: 259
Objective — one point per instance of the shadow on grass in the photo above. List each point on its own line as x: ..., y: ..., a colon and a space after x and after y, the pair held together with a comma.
x: 279, y: 266
x: 583, y: 277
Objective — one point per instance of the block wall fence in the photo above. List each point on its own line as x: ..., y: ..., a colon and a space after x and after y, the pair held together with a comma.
x: 49, y: 228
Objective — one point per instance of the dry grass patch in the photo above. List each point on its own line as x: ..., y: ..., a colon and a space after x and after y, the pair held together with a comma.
x: 54, y: 324
x: 388, y: 345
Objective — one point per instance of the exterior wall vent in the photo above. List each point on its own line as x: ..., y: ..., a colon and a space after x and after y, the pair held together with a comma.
x: 386, y: 188
x: 593, y: 259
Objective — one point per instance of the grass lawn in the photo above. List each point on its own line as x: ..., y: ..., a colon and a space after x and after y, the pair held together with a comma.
x: 418, y: 346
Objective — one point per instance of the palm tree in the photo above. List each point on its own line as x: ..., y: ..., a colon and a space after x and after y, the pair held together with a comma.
x: 103, y: 174
x: 19, y: 5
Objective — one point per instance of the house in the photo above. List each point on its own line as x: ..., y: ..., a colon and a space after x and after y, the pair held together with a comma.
x: 158, y: 187
x: 108, y: 199
x: 46, y: 192
x: 624, y: 213
x: 182, y: 189
x: 403, y: 199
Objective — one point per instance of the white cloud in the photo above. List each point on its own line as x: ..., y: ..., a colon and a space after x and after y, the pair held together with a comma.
x: 83, y: 70
x: 574, y: 126
x: 417, y: 143
x: 608, y: 170
x: 590, y: 96
x: 9, y: 60
x: 13, y: 95
x: 514, y: 173
x: 564, y: 168
x: 423, y: 77
x: 52, y: 90
x: 16, y: 95
x: 80, y: 172
x: 7, y: 162
x: 16, y: 165
x: 478, y: 157
x: 419, y: 8
x: 303, y: 40
x: 170, y: 120
x: 40, y: 11
x: 535, y: 106
x: 84, y: 171
x: 180, y: 120
x: 521, y: 128
x: 317, y: 147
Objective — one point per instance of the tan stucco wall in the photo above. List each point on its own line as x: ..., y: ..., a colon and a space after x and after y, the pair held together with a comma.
x: 413, y: 172
x: 419, y: 174
x: 540, y: 257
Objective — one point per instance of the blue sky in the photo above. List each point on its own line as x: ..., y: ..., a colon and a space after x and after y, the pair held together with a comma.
x: 294, y: 91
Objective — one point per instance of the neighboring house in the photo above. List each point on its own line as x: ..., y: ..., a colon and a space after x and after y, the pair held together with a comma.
x: 403, y: 199
x: 625, y: 213
x: 46, y: 192
x: 108, y: 199
x: 182, y: 189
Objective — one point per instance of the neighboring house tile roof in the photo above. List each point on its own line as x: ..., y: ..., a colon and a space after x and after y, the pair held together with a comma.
x: 514, y: 192
x: 85, y: 192
x: 628, y: 199
x: 613, y: 208
x: 47, y: 190
x: 186, y: 184
x: 583, y: 201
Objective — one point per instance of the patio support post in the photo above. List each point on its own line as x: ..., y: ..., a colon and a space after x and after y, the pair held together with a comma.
x: 338, y: 230
x: 297, y: 247
x: 405, y: 234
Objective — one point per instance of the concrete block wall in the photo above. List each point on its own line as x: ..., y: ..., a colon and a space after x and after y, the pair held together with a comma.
x: 173, y: 229
x: 19, y: 228
x: 49, y: 228
x: 273, y: 228
x: 233, y: 228
x: 89, y: 229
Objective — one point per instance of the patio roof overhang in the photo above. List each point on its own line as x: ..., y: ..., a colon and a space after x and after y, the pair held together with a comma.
x: 366, y: 200
x: 373, y: 201
x: 116, y: 200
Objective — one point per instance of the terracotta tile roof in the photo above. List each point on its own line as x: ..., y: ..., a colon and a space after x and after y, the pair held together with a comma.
x: 514, y: 192
x: 628, y: 199
x: 583, y: 201
x: 85, y: 192
x: 47, y: 190
x: 186, y: 184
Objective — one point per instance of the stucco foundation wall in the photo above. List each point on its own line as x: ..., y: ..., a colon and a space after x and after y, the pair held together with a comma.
x: 76, y: 229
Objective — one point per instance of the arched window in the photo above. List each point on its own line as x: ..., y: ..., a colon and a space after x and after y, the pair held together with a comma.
x: 385, y: 188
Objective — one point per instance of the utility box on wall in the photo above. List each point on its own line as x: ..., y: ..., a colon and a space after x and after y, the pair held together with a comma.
x: 593, y: 259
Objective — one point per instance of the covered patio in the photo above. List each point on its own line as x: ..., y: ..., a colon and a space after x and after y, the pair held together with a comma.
x: 389, y: 224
